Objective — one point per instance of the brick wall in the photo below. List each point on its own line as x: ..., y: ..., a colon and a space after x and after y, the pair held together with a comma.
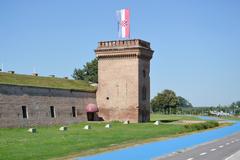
x: 38, y: 102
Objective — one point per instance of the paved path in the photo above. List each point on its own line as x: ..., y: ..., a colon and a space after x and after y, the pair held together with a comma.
x: 222, y: 149
x: 156, y: 149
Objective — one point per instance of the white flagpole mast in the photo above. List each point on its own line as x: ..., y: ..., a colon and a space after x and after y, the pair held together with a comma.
x: 118, y: 14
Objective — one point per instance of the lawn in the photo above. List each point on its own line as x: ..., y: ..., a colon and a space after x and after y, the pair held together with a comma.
x: 49, y: 82
x: 49, y: 142
x: 172, y: 117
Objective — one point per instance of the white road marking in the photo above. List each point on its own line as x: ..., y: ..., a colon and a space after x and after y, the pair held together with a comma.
x: 204, y: 153
x: 229, y: 157
x: 190, y: 158
x: 233, y: 156
x: 227, y: 143
x: 220, y: 146
x: 214, y: 149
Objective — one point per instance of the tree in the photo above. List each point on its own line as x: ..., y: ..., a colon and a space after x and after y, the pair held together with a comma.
x: 237, y: 103
x: 235, y: 107
x: 165, y: 101
x: 184, y: 103
x: 88, y: 73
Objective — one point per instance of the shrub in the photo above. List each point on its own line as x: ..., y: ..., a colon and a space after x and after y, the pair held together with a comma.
x: 201, y: 126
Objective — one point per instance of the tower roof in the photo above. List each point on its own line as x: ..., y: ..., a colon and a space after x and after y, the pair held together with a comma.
x: 132, y: 47
x: 124, y: 43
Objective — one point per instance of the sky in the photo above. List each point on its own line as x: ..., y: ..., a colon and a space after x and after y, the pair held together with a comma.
x: 196, y: 43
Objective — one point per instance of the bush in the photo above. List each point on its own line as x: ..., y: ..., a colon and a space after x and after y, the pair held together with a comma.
x: 201, y: 126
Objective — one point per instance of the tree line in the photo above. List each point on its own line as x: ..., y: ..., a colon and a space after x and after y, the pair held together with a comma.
x: 167, y: 102
x: 233, y: 109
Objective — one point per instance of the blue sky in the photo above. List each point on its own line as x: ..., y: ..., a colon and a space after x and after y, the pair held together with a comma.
x: 196, y: 43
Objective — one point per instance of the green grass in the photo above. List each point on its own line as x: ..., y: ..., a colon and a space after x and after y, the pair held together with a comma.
x: 201, y: 126
x: 173, y: 117
x: 48, y: 142
x: 48, y: 82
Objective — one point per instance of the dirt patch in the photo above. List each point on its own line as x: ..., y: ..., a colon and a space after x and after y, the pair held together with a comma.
x: 189, y: 122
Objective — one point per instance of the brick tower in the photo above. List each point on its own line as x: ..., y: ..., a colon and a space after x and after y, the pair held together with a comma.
x: 123, y: 80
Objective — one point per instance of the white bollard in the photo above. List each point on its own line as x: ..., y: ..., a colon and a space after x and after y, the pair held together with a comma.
x: 63, y: 128
x: 108, y: 126
x: 126, y: 122
x: 157, y: 123
x: 87, y: 127
x: 32, y: 130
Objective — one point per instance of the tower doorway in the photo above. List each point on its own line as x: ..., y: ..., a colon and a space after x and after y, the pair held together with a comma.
x: 90, y: 116
x: 91, y: 110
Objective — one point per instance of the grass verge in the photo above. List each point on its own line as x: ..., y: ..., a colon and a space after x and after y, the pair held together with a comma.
x: 172, y: 117
x: 49, y: 142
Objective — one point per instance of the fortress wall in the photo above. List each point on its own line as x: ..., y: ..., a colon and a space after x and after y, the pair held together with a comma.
x: 38, y: 102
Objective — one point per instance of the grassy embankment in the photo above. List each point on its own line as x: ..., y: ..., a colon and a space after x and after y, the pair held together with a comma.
x: 48, y: 142
x: 48, y: 82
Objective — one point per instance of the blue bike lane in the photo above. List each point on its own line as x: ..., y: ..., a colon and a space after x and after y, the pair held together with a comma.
x: 156, y: 149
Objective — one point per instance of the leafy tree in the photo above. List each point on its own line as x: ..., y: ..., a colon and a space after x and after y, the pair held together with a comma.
x: 235, y: 107
x: 237, y: 103
x: 88, y: 73
x: 184, y: 103
x: 165, y: 101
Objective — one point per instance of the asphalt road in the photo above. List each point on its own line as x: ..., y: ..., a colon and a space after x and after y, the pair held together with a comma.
x: 227, y: 148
